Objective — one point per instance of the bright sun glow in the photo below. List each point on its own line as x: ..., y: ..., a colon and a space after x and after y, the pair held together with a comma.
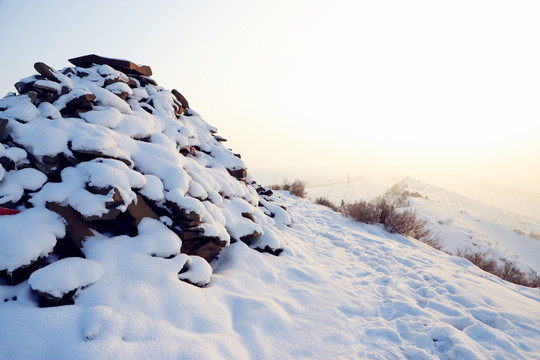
x: 426, y: 88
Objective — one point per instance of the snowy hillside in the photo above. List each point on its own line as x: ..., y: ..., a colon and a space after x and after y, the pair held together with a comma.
x: 128, y: 231
x: 340, y: 289
x: 465, y: 224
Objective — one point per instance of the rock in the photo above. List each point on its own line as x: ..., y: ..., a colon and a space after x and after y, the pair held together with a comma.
x: 268, y: 249
x: 48, y: 72
x: 239, y: 174
x: 87, y: 154
x: 32, y: 95
x: 183, y: 214
x: 203, y: 247
x: 24, y: 86
x: 111, y: 214
x: 180, y: 98
x: 144, y: 80
x: 248, y: 238
x: 3, y: 124
x: 123, y: 65
x: 140, y: 210
x: 64, y: 277
x: 76, y: 228
x: 77, y: 105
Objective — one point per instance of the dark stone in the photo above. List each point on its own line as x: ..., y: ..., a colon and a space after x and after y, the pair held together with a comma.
x: 68, y: 160
x: 140, y: 210
x: 112, y: 80
x: 203, y: 247
x: 263, y: 191
x: 81, y: 100
x: 45, y: 87
x: 47, y: 300
x: 145, y: 80
x: 269, y: 250
x: 3, y: 124
x: 47, y: 71
x: 48, y: 169
x: 248, y: 238
x: 66, y: 248
x: 32, y: 95
x: 186, y: 223
x: 133, y: 83
x: 111, y: 214
x: 122, y: 65
x: 239, y: 174
x: 180, y: 98
x: 183, y: 213
x: 6, y: 162
x: 123, y: 224
x: 78, y: 105
x: 76, y: 228
x: 147, y: 107
x: 50, y: 159
x: 20, y: 274
x: 24, y: 87
x: 116, y: 199
x: 248, y: 216
x: 87, y: 155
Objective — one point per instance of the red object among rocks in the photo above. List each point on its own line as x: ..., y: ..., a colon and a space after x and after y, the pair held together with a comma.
x: 6, y: 211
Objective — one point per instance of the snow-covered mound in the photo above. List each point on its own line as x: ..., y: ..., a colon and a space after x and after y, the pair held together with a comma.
x: 100, y: 151
x: 466, y: 225
x: 339, y: 290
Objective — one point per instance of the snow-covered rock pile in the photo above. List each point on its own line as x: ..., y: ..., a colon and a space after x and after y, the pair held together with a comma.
x: 100, y: 152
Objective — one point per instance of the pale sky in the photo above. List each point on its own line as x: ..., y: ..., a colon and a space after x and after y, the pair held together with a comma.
x: 431, y: 89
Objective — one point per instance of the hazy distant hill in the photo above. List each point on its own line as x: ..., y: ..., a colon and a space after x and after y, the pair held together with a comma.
x: 462, y: 223
x: 518, y: 201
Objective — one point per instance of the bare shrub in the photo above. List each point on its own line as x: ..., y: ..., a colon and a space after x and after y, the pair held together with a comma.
x: 530, y: 234
x: 363, y: 211
x: 297, y: 187
x: 404, y: 223
x: 325, y: 202
x: 508, y: 271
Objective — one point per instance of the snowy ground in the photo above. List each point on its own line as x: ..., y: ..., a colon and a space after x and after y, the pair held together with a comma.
x: 339, y: 290
x: 460, y: 222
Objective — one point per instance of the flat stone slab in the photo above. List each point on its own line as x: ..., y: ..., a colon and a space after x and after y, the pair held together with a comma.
x: 119, y: 64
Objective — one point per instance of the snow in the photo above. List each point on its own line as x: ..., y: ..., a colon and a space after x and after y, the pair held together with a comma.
x: 27, y: 236
x: 198, y: 271
x: 465, y: 224
x: 15, y: 182
x: 461, y: 223
x: 62, y: 276
x: 340, y: 289
x: 109, y: 117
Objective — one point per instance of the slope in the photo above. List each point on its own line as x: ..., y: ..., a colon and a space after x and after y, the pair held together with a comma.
x: 340, y: 289
x: 465, y: 224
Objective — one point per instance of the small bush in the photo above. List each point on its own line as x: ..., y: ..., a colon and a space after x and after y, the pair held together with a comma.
x: 508, y: 271
x: 395, y: 221
x: 297, y: 187
x: 324, y: 201
x: 530, y: 234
